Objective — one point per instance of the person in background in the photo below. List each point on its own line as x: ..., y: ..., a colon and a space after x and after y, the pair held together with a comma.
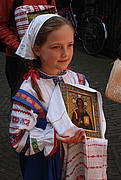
x: 9, y: 36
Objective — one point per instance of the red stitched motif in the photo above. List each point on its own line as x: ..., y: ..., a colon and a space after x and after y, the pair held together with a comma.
x: 20, y: 120
x: 81, y: 79
x: 21, y: 104
x: 21, y: 111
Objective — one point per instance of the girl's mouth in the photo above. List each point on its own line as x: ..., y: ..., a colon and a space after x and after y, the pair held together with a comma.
x: 66, y: 60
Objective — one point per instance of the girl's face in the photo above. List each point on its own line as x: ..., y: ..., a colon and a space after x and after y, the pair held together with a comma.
x: 56, y: 53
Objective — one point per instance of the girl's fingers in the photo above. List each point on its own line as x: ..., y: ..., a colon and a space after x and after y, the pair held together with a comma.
x: 79, y: 136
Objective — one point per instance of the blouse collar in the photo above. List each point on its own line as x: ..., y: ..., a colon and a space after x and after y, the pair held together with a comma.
x: 46, y: 76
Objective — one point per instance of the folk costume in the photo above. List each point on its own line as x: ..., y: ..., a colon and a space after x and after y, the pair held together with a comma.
x: 34, y: 125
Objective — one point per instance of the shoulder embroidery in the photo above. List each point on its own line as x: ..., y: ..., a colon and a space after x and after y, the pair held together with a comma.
x: 29, y: 100
x: 22, y: 105
x: 81, y: 79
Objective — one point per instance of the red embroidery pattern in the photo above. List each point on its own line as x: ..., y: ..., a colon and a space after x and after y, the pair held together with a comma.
x: 96, y: 167
x: 81, y: 79
x: 97, y: 145
x: 18, y: 131
x: 81, y: 163
x: 22, y: 121
x: 21, y: 111
x: 76, y: 156
x: 14, y: 139
x: 21, y: 104
x: 93, y: 156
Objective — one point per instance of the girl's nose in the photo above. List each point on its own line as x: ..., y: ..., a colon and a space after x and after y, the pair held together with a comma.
x: 64, y: 52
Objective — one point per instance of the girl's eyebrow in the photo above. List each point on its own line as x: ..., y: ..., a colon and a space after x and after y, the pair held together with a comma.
x: 61, y: 43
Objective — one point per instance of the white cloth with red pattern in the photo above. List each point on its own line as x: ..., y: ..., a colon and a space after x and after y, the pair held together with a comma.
x: 88, y: 158
x: 22, y: 14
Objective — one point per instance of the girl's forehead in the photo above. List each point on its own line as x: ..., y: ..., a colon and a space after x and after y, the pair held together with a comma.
x: 63, y: 33
x: 63, y: 27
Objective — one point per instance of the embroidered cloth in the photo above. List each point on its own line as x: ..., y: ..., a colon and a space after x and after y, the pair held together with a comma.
x: 24, y: 15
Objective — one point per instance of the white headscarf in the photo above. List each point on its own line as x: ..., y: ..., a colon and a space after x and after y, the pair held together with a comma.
x: 25, y: 48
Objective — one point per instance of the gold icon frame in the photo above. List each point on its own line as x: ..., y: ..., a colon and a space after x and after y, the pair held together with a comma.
x: 70, y: 95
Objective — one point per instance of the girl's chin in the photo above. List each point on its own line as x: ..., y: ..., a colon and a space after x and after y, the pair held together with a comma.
x: 62, y: 68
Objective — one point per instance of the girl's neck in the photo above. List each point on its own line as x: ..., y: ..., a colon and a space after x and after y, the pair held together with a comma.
x: 51, y: 73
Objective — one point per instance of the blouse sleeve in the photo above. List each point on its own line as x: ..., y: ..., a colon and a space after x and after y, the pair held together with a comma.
x: 24, y: 135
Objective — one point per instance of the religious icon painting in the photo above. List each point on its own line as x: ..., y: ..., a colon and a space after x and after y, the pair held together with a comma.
x: 83, y: 109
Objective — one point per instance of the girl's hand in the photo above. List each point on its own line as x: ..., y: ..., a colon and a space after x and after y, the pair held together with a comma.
x: 77, y: 138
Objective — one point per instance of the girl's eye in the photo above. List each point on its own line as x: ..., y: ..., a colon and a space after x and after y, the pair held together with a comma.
x: 56, y: 47
x: 71, y: 45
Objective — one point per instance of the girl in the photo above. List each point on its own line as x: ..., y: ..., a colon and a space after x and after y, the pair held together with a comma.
x: 40, y: 129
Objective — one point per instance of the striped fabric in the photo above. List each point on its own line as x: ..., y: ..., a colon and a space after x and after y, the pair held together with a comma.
x: 85, y: 161
x: 24, y: 15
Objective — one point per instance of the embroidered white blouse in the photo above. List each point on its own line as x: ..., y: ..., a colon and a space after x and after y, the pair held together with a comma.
x: 33, y: 128
x: 24, y: 118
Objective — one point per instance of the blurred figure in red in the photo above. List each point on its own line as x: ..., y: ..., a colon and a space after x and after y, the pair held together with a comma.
x: 9, y: 36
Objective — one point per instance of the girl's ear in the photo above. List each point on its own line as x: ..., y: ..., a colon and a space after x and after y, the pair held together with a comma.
x: 36, y: 50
